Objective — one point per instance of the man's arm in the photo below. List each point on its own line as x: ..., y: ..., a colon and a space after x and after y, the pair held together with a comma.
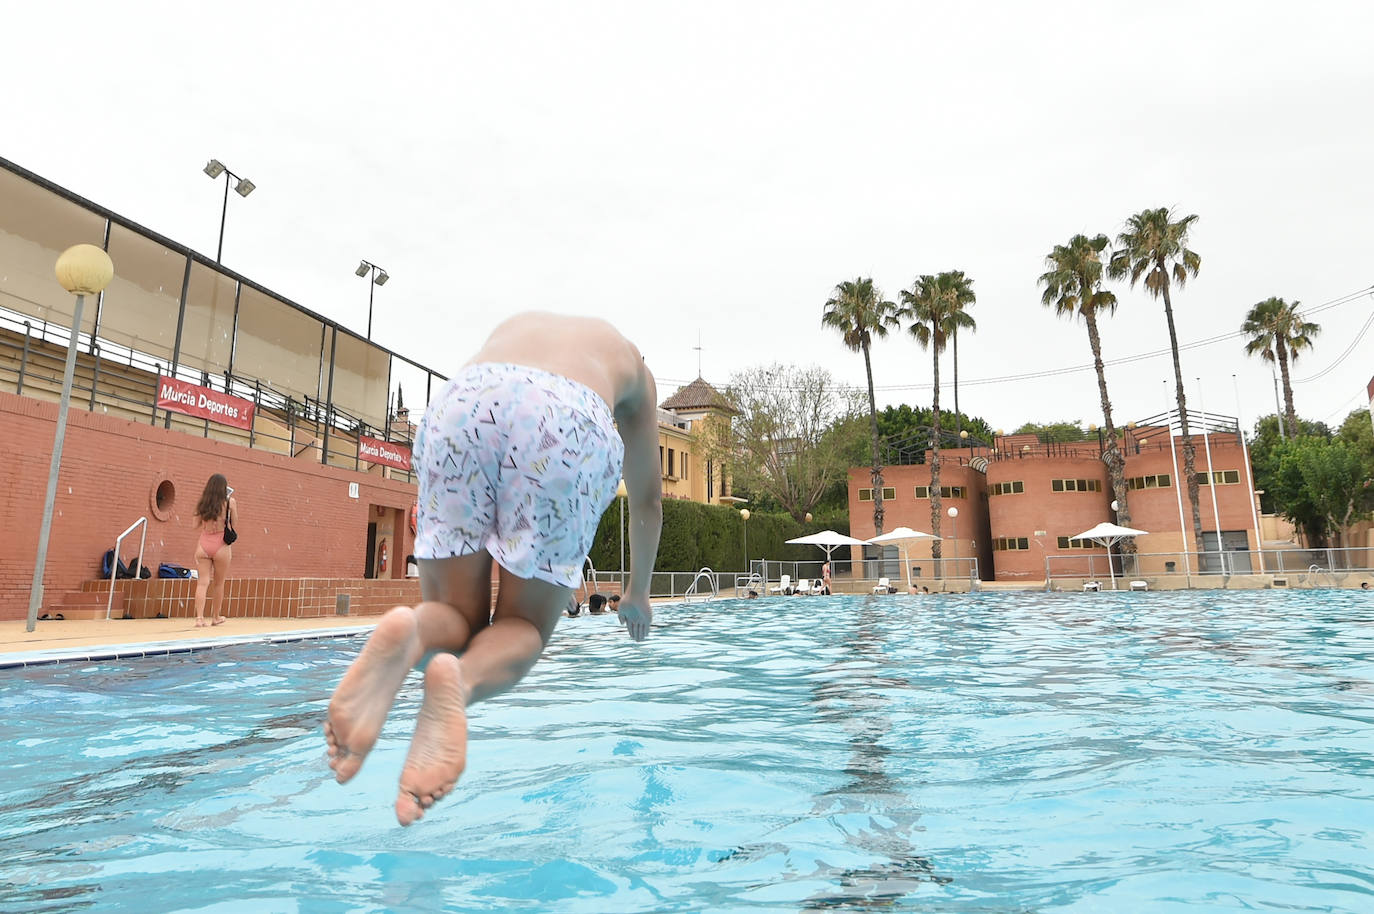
x: 644, y: 486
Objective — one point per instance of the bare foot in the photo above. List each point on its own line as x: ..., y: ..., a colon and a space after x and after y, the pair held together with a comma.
x: 220, y: 620
x: 368, y: 690
x: 439, y: 749
x: 200, y: 623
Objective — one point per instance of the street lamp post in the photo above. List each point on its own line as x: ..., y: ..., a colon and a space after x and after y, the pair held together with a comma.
x: 744, y: 516
x: 214, y: 168
x: 83, y: 269
x: 621, y: 494
x: 379, y: 278
x: 954, y: 535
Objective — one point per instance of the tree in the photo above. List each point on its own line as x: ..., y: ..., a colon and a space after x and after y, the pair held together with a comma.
x: 904, y: 426
x: 859, y: 312
x: 937, y: 306
x: 1155, y: 245
x: 1277, y: 334
x: 1325, y: 480
x: 1073, y: 287
x: 793, y: 437
x: 1266, y: 450
x: 1048, y: 432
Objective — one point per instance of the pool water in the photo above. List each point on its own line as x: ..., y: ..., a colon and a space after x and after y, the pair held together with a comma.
x: 992, y: 752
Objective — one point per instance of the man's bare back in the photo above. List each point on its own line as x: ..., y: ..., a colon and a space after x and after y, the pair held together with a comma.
x: 587, y: 350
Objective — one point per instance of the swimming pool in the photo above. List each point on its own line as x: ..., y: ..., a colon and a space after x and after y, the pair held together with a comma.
x: 992, y: 752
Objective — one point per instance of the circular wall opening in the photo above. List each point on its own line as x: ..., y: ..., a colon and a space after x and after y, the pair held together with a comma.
x: 162, y: 497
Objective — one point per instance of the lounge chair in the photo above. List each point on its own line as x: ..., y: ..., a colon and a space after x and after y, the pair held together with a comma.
x: 784, y: 585
x: 883, y: 586
x: 1140, y: 585
x: 1091, y: 586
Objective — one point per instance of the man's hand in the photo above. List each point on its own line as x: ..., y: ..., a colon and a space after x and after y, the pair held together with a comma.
x: 636, y: 617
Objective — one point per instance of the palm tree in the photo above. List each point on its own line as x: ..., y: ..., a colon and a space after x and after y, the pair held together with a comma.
x: 859, y: 312
x: 936, y: 305
x: 1277, y: 334
x: 1155, y: 245
x: 1073, y: 286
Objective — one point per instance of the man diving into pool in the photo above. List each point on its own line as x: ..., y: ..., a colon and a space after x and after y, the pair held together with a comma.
x: 517, y: 457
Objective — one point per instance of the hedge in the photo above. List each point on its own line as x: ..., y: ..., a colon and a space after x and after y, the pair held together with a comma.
x: 711, y: 536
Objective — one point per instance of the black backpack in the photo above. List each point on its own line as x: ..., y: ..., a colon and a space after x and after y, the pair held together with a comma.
x: 121, y: 571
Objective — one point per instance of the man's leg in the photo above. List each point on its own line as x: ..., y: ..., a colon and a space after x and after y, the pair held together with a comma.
x: 497, y: 658
x: 457, y: 602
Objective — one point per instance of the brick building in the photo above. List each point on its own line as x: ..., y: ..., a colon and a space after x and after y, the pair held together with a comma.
x: 1020, y: 501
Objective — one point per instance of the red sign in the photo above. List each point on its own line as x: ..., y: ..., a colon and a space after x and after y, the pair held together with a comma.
x: 203, y: 403
x: 374, y: 450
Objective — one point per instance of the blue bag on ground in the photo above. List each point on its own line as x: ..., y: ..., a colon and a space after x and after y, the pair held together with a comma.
x: 168, y: 570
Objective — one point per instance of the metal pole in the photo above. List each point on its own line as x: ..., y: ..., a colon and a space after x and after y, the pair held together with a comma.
x: 621, y: 499
x: 1211, y: 473
x: 219, y: 252
x: 371, y: 284
x: 1249, y: 477
x: 45, y: 527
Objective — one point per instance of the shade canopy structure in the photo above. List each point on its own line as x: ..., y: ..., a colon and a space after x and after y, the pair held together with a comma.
x: 904, y: 536
x: 829, y: 540
x: 1109, y: 534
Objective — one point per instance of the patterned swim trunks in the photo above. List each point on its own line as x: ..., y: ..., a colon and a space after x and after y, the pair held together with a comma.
x: 517, y: 461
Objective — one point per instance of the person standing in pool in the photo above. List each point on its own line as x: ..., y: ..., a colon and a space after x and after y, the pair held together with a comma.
x: 213, y: 554
x: 517, y: 458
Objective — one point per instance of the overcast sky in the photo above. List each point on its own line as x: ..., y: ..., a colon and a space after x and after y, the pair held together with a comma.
x: 717, y: 168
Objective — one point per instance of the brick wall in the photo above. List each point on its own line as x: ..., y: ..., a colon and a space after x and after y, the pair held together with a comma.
x: 295, y: 520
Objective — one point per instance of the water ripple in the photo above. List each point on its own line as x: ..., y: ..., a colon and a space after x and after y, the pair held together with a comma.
x: 989, y: 752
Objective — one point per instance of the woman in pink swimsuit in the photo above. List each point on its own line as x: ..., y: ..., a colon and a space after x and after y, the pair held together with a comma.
x: 212, y: 554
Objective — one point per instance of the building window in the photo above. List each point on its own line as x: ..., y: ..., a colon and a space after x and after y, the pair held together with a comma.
x: 945, y: 492
x: 889, y: 493
x: 1010, y: 544
x: 1160, y: 481
x: 660, y: 460
x: 1066, y: 543
x: 670, y: 462
x: 684, y: 464
x: 1220, y: 477
x: 710, y: 480
x: 1075, y: 485
x: 1007, y: 488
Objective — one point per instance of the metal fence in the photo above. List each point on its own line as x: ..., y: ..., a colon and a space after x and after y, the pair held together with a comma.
x: 1307, y: 564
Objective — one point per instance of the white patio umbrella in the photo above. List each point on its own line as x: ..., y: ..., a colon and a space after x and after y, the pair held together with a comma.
x: 903, y: 535
x: 829, y: 540
x: 1109, y: 534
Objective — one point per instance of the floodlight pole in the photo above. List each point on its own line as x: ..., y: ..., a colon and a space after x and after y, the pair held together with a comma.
x: 371, y: 287
x: 223, y: 211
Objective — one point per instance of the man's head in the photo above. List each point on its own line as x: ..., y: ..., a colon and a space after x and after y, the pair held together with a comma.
x: 596, y: 603
x: 614, y: 601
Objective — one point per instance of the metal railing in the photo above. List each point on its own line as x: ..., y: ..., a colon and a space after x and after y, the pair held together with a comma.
x: 114, y: 559
x: 115, y: 377
x: 1304, y: 564
x: 711, y: 579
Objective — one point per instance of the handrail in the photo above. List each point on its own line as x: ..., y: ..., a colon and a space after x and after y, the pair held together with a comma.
x: 749, y: 582
x: 114, y: 563
x: 704, y: 572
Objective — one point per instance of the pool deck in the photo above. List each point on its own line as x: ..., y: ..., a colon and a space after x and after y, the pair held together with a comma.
x: 83, y: 639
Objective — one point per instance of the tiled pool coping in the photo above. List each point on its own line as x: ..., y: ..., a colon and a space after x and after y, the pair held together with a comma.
x: 91, y: 653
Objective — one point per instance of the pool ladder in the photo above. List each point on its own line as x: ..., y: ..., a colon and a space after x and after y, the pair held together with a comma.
x: 692, y: 588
